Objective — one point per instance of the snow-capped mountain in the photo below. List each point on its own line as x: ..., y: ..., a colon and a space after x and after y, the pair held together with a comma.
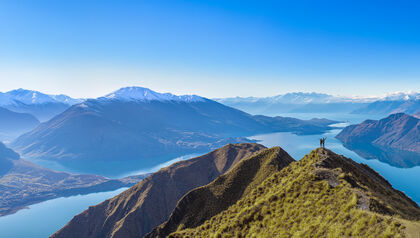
x: 299, y: 98
x: 33, y: 97
x: 145, y: 94
x: 42, y: 106
x: 295, y: 102
x: 300, y: 102
x: 135, y: 124
x: 402, y: 96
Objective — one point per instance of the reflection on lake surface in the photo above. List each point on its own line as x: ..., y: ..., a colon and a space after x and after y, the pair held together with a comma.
x: 397, y: 158
x: 404, y: 179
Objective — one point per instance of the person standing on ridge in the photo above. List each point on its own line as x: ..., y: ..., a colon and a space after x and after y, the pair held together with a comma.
x: 322, y: 142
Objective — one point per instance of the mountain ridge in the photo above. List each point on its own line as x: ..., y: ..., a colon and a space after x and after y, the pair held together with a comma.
x: 149, y: 203
x: 398, y: 131
x: 202, y: 203
x: 13, y: 124
x: 322, y: 195
x: 42, y: 106
x: 146, y: 94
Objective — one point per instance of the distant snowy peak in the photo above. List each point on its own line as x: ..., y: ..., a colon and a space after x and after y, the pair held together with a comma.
x: 314, y: 98
x: 30, y: 97
x: 401, y: 96
x: 303, y: 98
x: 145, y: 94
x: 289, y: 98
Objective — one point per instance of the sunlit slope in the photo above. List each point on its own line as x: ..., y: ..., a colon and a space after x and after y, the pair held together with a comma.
x: 204, y: 202
x: 322, y: 195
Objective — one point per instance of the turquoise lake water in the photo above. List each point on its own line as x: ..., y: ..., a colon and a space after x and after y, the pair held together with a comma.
x: 43, y: 219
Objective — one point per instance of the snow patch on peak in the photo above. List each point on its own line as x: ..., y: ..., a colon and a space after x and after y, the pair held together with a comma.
x: 33, y: 97
x: 402, y: 96
x: 145, y: 94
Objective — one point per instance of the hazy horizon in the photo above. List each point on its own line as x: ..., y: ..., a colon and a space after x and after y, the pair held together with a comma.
x: 210, y: 48
x: 409, y: 92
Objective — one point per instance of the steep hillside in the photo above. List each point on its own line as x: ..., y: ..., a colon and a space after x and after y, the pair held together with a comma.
x: 149, y: 203
x: 322, y: 195
x: 23, y: 183
x: 13, y: 124
x: 7, y: 156
x: 136, y: 124
x: 398, y: 131
x: 203, y: 203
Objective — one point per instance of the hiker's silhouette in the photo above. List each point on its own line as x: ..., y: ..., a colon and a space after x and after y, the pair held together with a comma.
x: 322, y: 142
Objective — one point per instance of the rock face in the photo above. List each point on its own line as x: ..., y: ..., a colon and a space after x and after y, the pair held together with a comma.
x: 149, y: 203
x: 398, y: 131
x: 322, y: 195
x: 204, y: 202
x: 23, y: 183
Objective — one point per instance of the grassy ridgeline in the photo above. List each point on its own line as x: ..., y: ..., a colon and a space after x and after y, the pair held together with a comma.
x: 322, y: 195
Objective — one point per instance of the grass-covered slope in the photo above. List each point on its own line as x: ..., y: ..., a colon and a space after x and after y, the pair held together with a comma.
x: 204, y: 202
x: 149, y: 203
x: 322, y: 195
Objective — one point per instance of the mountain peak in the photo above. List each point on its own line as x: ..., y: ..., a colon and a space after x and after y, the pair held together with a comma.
x: 145, y: 94
x: 29, y: 97
x: 322, y: 195
x: 402, y: 96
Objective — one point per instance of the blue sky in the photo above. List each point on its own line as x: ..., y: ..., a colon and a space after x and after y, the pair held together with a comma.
x: 211, y: 48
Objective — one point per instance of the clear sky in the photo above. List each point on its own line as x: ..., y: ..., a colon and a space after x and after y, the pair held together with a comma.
x: 214, y: 48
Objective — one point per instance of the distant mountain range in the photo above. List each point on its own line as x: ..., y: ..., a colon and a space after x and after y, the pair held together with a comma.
x: 41, y: 105
x: 264, y: 193
x: 300, y: 102
x: 395, y: 139
x: 23, y: 183
x: 386, y: 107
x: 138, y: 124
x: 13, y: 124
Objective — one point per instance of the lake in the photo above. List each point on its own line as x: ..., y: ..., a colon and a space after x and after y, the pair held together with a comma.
x: 43, y: 219
x: 404, y: 179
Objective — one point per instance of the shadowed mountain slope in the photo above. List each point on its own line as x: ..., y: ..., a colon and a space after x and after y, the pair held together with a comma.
x: 203, y: 203
x: 7, y: 156
x: 322, y: 195
x: 13, y: 124
x: 149, y: 203
x: 398, y: 131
